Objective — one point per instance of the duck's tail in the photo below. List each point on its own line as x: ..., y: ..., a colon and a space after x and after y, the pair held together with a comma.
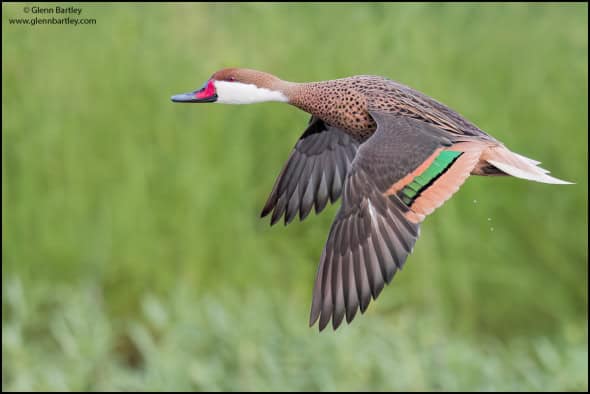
x: 519, y: 166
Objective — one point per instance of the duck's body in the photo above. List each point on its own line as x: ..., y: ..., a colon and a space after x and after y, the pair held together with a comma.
x: 346, y: 103
x: 394, y: 153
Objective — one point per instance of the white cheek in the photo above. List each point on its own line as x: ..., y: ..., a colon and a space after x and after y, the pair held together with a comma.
x: 241, y: 93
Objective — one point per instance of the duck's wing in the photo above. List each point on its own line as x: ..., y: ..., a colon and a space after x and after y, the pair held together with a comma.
x: 395, y: 98
x: 314, y: 172
x: 399, y: 175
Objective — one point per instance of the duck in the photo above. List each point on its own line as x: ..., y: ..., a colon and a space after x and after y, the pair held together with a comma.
x: 393, y: 153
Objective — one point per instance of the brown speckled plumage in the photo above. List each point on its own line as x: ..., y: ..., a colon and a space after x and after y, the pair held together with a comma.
x: 391, y: 152
x: 346, y: 103
x: 340, y: 103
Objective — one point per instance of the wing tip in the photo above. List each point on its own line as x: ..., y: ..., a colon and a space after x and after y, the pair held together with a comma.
x: 265, y: 211
x: 313, y: 319
x: 336, y: 322
x: 324, y: 320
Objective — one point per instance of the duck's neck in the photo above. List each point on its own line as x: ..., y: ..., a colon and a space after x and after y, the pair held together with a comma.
x: 302, y: 95
x: 316, y: 98
x: 245, y: 93
x: 336, y: 102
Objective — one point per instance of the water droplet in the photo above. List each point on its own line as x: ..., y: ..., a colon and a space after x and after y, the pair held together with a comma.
x: 491, y: 229
x: 489, y: 219
x: 475, y: 201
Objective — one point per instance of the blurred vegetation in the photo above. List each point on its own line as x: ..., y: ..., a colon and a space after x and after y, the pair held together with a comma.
x: 133, y: 256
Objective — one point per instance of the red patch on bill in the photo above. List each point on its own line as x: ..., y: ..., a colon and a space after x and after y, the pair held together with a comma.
x: 207, y: 91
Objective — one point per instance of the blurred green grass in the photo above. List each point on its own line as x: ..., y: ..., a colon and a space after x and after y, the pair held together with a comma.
x: 113, y: 198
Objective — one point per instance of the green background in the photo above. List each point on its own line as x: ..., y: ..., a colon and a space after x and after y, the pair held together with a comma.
x: 133, y: 256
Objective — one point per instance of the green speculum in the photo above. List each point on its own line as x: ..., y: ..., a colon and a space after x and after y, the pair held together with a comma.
x: 424, y: 180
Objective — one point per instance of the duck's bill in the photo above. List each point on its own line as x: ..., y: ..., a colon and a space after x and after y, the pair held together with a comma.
x: 206, y: 94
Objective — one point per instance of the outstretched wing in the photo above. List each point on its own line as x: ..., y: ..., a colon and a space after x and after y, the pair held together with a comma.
x: 314, y: 172
x: 400, y: 175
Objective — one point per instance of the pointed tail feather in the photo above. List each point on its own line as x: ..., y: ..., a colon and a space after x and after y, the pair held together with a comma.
x: 537, y: 176
x: 520, y: 166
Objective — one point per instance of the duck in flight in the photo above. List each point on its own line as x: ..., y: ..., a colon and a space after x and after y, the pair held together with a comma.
x: 393, y: 153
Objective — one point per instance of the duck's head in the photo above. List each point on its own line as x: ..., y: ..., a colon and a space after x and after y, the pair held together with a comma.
x: 237, y: 86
